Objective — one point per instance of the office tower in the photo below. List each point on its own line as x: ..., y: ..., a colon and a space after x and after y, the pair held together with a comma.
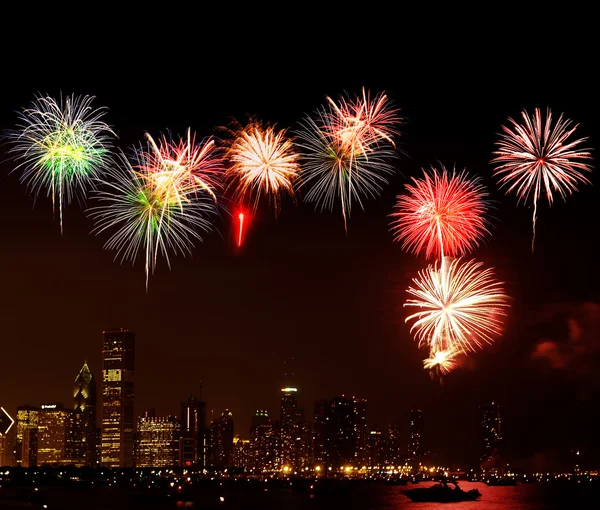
x: 7, y: 445
x: 193, y: 447
x: 288, y: 405
x: 241, y: 455
x: 321, y: 411
x: 221, y: 440
x: 157, y: 441
x: 415, y: 437
x: 360, y: 430
x: 341, y: 435
x: 392, y: 446
x: 84, y: 417
x: 375, y: 449
x: 54, y: 435
x: 291, y: 417
x: 490, y: 435
x: 26, y: 419
x: 264, y: 444
x: 30, y: 448
x: 117, y: 429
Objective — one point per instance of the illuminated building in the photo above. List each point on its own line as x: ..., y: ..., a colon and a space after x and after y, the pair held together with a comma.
x: 26, y: 419
x: 321, y: 409
x: 221, y: 440
x: 54, y: 435
x: 157, y: 443
x: 341, y: 434
x: 241, y: 455
x: 7, y: 444
x: 295, y: 433
x: 117, y: 430
x: 193, y: 445
x: 392, y: 445
x: 415, y: 437
x: 375, y: 448
x: 29, y: 447
x: 263, y: 443
x: 360, y: 431
x: 490, y: 435
x: 84, y: 417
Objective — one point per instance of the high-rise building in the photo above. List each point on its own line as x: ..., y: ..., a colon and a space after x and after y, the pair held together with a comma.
x: 221, y: 440
x: 117, y: 429
x: 321, y: 412
x: 27, y: 420
x: 54, y: 441
x: 392, y: 447
x: 84, y: 417
x: 193, y: 448
x: 490, y: 435
x: 375, y: 448
x: 7, y: 445
x: 157, y: 441
x: 264, y: 444
x: 415, y: 437
x: 341, y: 433
x: 360, y: 430
x: 294, y: 432
x: 241, y: 455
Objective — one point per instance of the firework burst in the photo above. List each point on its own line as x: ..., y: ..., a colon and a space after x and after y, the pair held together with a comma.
x: 537, y: 157
x: 441, y: 214
x: 348, y: 149
x: 262, y: 163
x: 461, y: 307
x: 442, y: 361
x: 162, y: 202
x: 62, y: 147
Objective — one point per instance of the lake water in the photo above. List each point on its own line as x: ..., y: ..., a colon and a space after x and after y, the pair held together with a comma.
x: 361, y: 496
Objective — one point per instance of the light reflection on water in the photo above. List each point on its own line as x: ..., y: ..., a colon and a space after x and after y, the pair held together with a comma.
x: 360, y: 496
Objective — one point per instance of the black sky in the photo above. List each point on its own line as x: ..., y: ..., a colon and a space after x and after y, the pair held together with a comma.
x: 302, y: 288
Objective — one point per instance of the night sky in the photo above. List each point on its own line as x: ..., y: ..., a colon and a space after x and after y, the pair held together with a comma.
x: 302, y: 288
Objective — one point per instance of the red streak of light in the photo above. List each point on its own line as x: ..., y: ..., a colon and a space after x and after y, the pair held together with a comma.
x: 241, y: 217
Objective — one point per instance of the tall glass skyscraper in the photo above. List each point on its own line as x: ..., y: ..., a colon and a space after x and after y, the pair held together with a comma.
x: 117, y: 429
x: 84, y: 417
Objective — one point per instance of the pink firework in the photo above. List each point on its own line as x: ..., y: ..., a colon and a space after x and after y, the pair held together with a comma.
x: 536, y: 158
x: 441, y: 214
x: 348, y: 148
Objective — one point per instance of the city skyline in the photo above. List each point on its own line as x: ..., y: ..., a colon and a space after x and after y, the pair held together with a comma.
x: 223, y: 322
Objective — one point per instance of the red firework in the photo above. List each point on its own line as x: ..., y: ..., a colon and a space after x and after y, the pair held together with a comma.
x: 442, y: 214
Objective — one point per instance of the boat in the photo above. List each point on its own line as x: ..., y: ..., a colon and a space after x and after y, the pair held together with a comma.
x: 442, y: 493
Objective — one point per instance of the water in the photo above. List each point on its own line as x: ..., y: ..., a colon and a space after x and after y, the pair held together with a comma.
x: 359, y: 496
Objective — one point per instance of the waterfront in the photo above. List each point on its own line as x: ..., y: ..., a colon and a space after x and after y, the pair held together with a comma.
x: 360, y: 495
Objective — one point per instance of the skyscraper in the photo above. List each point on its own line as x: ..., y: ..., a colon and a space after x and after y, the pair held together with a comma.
x: 84, y: 417
x: 157, y: 441
x: 415, y: 437
x: 321, y: 412
x: 360, y: 430
x: 341, y: 433
x: 193, y: 448
x: 54, y: 435
x: 264, y: 444
x: 26, y: 436
x: 117, y: 430
x: 221, y: 440
x: 490, y: 435
x: 392, y: 447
